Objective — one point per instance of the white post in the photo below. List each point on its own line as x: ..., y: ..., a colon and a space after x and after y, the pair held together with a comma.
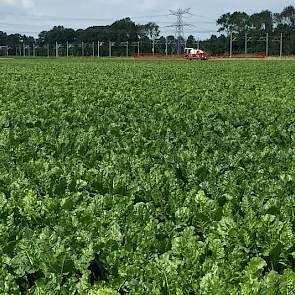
x: 138, y: 48
x: 110, y: 49
x: 231, y: 45
x: 153, y: 47
x: 266, y: 40
x: 166, y: 49
x: 127, y: 48
x: 56, y: 49
x: 246, y: 43
x: 93, y: 49
x: 98, y: 49
x: 281, y: 45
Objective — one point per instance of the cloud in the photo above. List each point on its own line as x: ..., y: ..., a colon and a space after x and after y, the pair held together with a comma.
x: 43, y: 14
x: 18, y: 3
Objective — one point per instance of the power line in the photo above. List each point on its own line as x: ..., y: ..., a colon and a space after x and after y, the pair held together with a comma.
x: 178, y: 26
x: 204, y: 17
x: 48, y: 18
x: 24, y: 25
x: 192, y: 31
x: 54, y: 17
x: 52, y: 25
x: 22, y: 32
x: 191, y: 22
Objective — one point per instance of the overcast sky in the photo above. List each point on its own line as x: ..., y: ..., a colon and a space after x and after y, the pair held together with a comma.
x: 32, y: 16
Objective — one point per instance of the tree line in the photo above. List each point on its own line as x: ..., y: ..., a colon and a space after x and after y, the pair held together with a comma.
x: 255, y: 27
x: 118, y: 32
x: 238, y: 24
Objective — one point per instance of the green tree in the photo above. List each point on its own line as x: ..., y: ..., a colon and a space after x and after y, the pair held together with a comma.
x: 191, y: 41
x: 57, y: 34
x: 150, y: 30
x: 123, y: 30
x: 287, y: 17
x: 239, y: 21
x: 262, y: 21
x: 236, y: 22
x: 224, y: 23
x: 3, y: 38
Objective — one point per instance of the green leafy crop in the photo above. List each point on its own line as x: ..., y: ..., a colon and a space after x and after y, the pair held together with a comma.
x: 122, y: 177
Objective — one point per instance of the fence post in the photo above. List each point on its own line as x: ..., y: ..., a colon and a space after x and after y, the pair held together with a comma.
x: 266, y: 40
x: 127, y: 48
x: 281, y: 45
x: 56, y: 49
x: 231, y: 45
x: 246, y: 43
x: 166, y: 49
x: 110, y: 49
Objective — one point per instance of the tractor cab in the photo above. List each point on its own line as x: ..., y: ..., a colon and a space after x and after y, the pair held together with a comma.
x: 188, y: 50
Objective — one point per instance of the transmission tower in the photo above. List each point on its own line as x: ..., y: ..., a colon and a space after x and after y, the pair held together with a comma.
x: 179, y: 25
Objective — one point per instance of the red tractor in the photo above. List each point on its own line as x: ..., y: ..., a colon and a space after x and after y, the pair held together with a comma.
x: 192, y: 53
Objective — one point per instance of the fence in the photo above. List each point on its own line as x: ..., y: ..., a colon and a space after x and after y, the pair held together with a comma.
x: 267, y: 39
x: 96, y: 48
x: 234, y: 44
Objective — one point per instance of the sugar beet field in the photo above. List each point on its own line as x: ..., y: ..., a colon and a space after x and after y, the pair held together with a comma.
x: 123, y: 177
